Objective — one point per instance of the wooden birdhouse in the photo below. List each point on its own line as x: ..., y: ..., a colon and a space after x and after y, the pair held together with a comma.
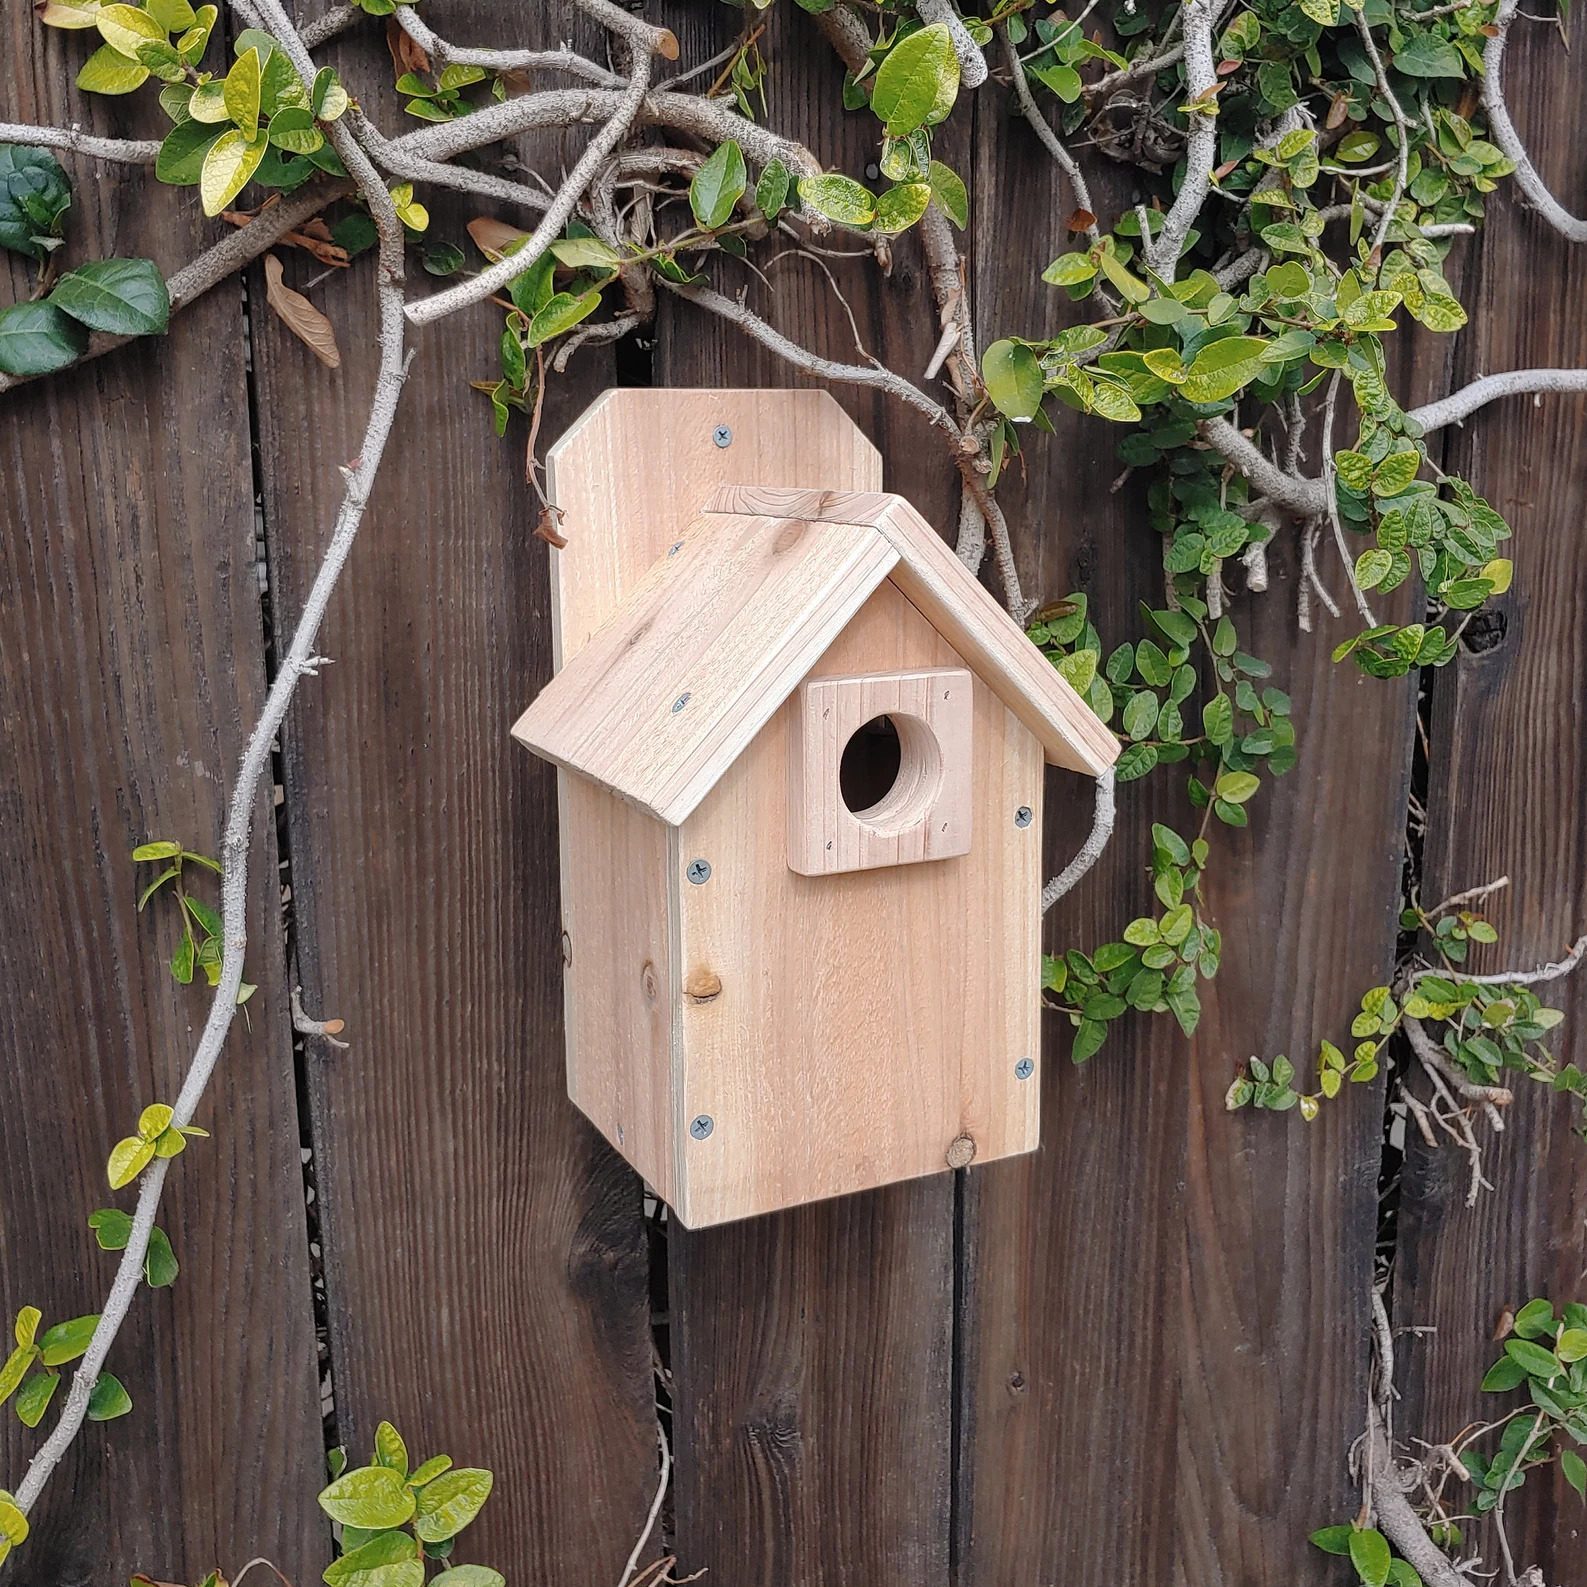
x: 801, y: 755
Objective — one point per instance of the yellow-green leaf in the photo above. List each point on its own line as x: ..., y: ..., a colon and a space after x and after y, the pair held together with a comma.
x: 155, y: 1120
x: 125, y: 27
x: 107, y: 71
x: 170, y: 1143
x: 1013, y: 377
x: 390, y: 1451
x: 172, y: 15
x: 918, y: 82
x: 27, y: 1328
x: 68, y: 13
x: 448, y: 1504
x: 389, y: 1559
x: 208, y: 103
x: 128, y: 1159
x: 241, y: 92
x: 372, y: 1497
x: 227, y: 168
x: 34, y: 1400
x: 13, y: 1524
x: 66, y: 1341
x: 900, y: 207
x: 16, y: 1368
x: 839, y: 198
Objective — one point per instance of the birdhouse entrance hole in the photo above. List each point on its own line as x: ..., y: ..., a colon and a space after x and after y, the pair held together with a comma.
x: 891, y: 772
x: 880, y: 770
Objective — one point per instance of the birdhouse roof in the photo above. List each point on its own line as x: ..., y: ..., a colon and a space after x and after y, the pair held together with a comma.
x: 699, y: 655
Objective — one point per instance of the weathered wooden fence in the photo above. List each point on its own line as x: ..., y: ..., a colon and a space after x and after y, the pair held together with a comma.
x: 1138, y: 1356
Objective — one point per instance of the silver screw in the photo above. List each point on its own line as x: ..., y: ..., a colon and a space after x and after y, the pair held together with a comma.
x: 701, y: 1126
x: 722, y: 435
x: 1024, y: 1069
x: 680, y: 702
x: 699, y: 871
x: 674, y: 548
x: 1022, y: 816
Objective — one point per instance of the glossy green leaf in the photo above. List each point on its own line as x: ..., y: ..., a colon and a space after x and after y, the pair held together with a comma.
x: 1369, y: 1553
x: 34, y: 198
x: 918, y: 82
x: 231, y: 162
x: 839, y: 199
x: 108, y: 1399
x: 107, y: 71
x: 37, y: 339
x: 373, y: 1497
x: 948, y: 188
x: 388, y: 1559
x: 1013, y: 378
x: 66, y: 1341
x: 718, y: 185
x: 124, y: 297
x: 34, y: 1400
x: 561, y: 313
x: 448, y: 1504
x: 901, y: 206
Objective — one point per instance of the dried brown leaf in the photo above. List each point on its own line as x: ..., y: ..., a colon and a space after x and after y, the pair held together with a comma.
x: 1081, y: 220
x: 406, y: 56
x: 548, y: 529
x: 491, y: 236
x: 300, y: 316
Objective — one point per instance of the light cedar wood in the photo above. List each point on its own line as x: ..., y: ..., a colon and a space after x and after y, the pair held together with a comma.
x: 992, y: 643
x: 865, y: 1021
x: 671, y: 689
x: 925, y: 815
x: 631, y: 473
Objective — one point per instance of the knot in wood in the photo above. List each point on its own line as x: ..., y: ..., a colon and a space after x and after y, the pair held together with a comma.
x: 647, y: 981
x: 702, y: 985
x: 961, y: 1152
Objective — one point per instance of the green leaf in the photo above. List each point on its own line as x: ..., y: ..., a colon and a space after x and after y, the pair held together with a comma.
x: 66, y: 1341
x: 1369, y: 1553
x: 34, y: 1400
x: 174, y: 16
x: 948, y: 188
x: 1538, y: 1362
x: 112, y: 1228
x: 718, y: 185
x: 1069, y: 270
x: 108, y: 72
x: 839, y: 199
x: 124, y: 297
x: 37, y: 339
x: 771, y: 191
x: 329, y: 99
x: 16, y: 1368
x: 561, y: 314
x: 373, y: 1497
x: 390, y: 1451
x: 1372, y: 567
x: 1403, y: 1574
x: 34, y: 196
x: 1396, y: 473
x: 388, y: 1559
x: 430, y: 1470
x: 241, y: 94
x: 448, y: 1504
x: 1221, y: 368
x: 1534, y: 1319
x: 1427, y: 55
x: 160, y: 1266
x: 125, y: 28
x: 180, y: 161
x: 294, y: 130
x: 901, y: 206
x: 1574, y: 1470
x: 918, y: 82
x: 108, y: 1399
x: 1236, y: 786
x: 129, y: 1157
x: 1013, y: 378
x: 469, y: 1576
x: 1333, y: 1539
x: 1089, y: 1037
x: 232, y: 160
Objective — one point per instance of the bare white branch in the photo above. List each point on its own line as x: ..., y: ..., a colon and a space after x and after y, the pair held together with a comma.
x: 1091, y: 850
x: 1201, y: 148
x: 444, y: 53
x: 127, y: 151
x: 972, y: 63
x: 1045, y: 134
x: 1462, y: 404
x: 1502, y: 130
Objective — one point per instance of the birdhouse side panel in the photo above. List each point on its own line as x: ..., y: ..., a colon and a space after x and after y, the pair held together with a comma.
x: 859, y: 1024
x: 621, y: 975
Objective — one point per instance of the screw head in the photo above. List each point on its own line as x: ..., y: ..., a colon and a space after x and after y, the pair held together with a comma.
x: 674, y: 548
x: 1024, y: 1069
x: 680, y: 702
x: 701, y: 1126
x: 722, y: 435
x: 699, y: 871
x: 1024, y: 816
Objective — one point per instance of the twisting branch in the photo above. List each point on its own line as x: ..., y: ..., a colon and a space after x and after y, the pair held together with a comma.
x: 1201, y: 148
x: 1043, y: 129
x: 559, y: 211
x: 234, y: 251
x: 255, y: 763
x: 1091, y: 850
x: 1303, y: 497
x: 126, y: 151
x: 645, y: 37
x: 972, y: 63
x: 1462, y: 404
x: 1403, y: 161
x: 445, y: 53
x: 1502, y: 130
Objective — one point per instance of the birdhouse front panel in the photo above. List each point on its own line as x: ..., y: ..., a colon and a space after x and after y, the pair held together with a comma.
x: 874, y: 1024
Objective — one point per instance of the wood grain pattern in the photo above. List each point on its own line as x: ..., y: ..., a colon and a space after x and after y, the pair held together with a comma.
x: 484, y: 1250
x: 1164, y: 1308
x: 130, y: 666
x: 1507, y: 770
x: 671, y: 689
x: 848, y: 1049
x: 939, y: 584
x: 813, y: 1348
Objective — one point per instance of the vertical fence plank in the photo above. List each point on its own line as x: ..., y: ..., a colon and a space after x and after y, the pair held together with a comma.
x: 130, y: 669
x: 1164, y: 1324
x: 1507, y: 769
x: 812, y: 1348
x: 485, y: 1255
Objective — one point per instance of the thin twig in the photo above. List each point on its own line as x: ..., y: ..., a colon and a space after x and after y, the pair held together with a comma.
x: 1091, y: 850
